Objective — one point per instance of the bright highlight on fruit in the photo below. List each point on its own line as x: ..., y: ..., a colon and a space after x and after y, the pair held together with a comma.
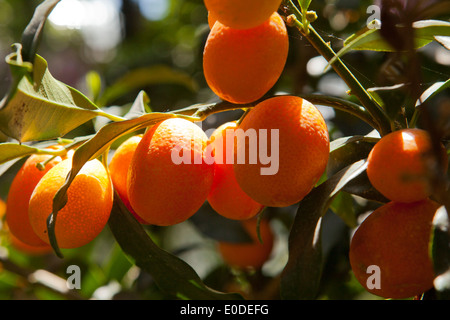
x: 89, y: 204
x: 240, y: 66
x: 169, y: 177
x: 239, y: 14
x: 226, y: 196
x: 399, y: 165
x: 303, y: 151
x: 395, y: 239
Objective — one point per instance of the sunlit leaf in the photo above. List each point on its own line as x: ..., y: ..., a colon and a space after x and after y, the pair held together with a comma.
x: 139, y: 106
x: 433, y: 90
x: 10, y: 151
x: 33, y: 32
x: 42, y: 108
x: 347, y: 150
x: 440, y: 252
x: 370, y: 38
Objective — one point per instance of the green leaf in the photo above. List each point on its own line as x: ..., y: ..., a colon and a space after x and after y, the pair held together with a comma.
x: 42, y: 108
x: 172, y: 275
x: 347, y: 150
x: 11, y: 151
x: 139, y: 78
x: 93, y: 84
x: 343, y: 206
x: 139, y: 106
x: 433, y: 90
x: 301, y: 276
x: 32, y: 33
x: 370, y: 38
x: 440, y: 252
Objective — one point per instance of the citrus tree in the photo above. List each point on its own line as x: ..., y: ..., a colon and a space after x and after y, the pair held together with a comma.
x: 107, y: 192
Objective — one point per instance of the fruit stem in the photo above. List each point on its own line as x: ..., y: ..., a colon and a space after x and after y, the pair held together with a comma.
x: 246, y: 111
x: 375, y: 110
x: 201, y: 111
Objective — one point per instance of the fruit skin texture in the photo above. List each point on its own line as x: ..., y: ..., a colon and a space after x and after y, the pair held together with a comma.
x: 226, y: 196
x: 397, y: 166
x: 240, y: 66
x: 160, y: 191
x: 118, y: 168
x: 89, y: 204
x: 249, y: 255
x: 303, y: 151
x: 240, y: 14
x: 19, y: 196
x: 395, y: 238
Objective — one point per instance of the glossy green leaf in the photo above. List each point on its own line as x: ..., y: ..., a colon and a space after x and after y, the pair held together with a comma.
x: 301, y: 276
x: 32, y: 33
x: 219, y: 228
x: 139, y: 106
x: 11, y: 151
x: 369, y: 38
x: 41, y: 107
x: 440, y: 252
x: 343, y: 206
x: 433, y: 90
x: 93, y: 84
x: 172, y: 275
x: 347, y: 150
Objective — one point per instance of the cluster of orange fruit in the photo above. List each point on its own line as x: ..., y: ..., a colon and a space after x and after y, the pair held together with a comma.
x: 241, y: 65
x: 396, y: 236
x: 30, y: 202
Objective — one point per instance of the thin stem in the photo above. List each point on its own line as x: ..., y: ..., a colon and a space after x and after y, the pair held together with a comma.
x: 343, y: 105
x: 111, y: 117
x: 378, y: 114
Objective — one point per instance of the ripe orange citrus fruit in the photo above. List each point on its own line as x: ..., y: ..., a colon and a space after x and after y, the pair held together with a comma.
x: 294, y: 133
x: 88, y: 207
x: 169, y: 177
x: 118, y: 168
x: 398, y: 165
x: 19, y: 195
x: 254, y: 254
x: 240, y: 14
x: 226, y: 197
x: 15, y: 242
x: 395, y: 238
x: 240, y: 66
x: 2, y: 209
